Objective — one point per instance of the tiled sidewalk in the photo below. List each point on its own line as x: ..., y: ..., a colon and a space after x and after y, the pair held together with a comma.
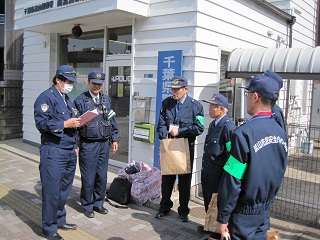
x: 20, y: 202
x: 20, y: 208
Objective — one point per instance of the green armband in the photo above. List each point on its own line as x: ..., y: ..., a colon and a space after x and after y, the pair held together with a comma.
x: 228, y: 146
x: 235, y: 168
x: 200, y: 119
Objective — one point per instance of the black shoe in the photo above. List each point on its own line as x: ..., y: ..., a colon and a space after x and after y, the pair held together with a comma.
x: 200, y: 229
x: 54, y: 237
x: 101, y: 210
x: 68, y: 226
x: 215, y: 235
x: 184, y: 218
x: 160, y: 215
x: 89, y: 213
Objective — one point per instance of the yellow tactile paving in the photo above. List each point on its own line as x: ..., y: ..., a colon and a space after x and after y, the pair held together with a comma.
x: 32, y: 211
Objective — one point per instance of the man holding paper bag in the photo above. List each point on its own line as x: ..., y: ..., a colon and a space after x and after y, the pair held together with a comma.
x: 95, y: 138
x: 216, y: 148
x: 181, y: 117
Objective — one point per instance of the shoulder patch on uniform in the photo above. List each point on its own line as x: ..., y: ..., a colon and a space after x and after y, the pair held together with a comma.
x: 195, y: 102
x: 44, y: 107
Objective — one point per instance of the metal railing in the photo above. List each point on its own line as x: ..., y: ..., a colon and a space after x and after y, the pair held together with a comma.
x: 298, y: 198
x: 10, y: 101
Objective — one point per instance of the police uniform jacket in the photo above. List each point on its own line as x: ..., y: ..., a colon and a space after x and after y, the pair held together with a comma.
x: 278, y: 116
x: 50, y: 112
x: 189, y: 118
x: 254, y: 170
x: 100, y: 127
x: 217, y: 146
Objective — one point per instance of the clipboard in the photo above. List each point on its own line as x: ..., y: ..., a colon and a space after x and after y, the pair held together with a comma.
x: 88, y: 116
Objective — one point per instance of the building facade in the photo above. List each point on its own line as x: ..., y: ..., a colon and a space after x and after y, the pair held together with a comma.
x: 124, y: 37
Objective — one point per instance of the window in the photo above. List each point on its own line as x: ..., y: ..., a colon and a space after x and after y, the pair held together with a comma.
x: 120, y: 40
x: 84, y: 53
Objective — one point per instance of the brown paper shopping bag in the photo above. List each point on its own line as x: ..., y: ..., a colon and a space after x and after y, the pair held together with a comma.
x: 210, y: 222
x: 272, y: 235
x: 174, y: 156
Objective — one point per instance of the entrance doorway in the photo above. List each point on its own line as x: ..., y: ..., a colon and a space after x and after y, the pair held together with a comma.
x: 119, y: 76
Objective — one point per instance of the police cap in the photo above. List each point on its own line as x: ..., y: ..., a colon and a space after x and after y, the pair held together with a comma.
x: 67, y: 72
x: 97, y: 76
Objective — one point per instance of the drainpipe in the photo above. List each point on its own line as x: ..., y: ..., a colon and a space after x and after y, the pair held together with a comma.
x: 290, y: 23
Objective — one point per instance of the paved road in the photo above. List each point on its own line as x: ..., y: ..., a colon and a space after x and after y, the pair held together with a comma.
x: 20, y: 208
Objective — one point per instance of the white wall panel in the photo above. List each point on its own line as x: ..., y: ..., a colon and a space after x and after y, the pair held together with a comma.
x: 147, y: 63
x: 300, y: 41
x: 29, y: 120
x: 31, y: 94
x: 184, y: 19
x: 34, y: 40
x: 31, y: 136
x: 38, y: 70
x: 166, y: 35
x: 27, y: 110
x: 207, y: 50
x: 256, y: 35
x: 34, y: 49
x: 233, y: 12
x: 147, y: 90
x: 34, y: 77
x: 305, y: 13
x: 206, y: 64
x: 139, y: 79
x: 205, y: 79
x: 172, y: 7
x: 36, y: 57
x: 36, y: 66
x: 151, y: 50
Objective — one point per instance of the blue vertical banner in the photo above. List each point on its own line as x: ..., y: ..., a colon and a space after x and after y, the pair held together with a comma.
x: 169, y: 65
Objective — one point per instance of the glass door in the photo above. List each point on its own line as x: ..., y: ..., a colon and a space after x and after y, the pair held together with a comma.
x: 119, y: 72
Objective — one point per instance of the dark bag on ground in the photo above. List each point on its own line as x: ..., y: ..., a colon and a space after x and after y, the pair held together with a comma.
x: 133, y: 168
x: 120, y: 191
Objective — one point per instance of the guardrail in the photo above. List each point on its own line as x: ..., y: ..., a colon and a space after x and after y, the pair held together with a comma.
x: 298, y: 198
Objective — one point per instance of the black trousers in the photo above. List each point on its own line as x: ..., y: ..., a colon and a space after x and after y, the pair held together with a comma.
x: 184, y: 185
x: 210, y: 184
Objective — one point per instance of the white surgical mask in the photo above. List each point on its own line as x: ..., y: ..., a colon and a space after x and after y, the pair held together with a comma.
x: 67, y: 88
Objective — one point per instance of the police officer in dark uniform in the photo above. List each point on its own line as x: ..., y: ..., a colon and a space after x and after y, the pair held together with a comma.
x: 95, y: 138
x: 256, y: 166
x: 56, y: 121
x: 216, y: 148
x: 187, y: 115
x: 277, y: 111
